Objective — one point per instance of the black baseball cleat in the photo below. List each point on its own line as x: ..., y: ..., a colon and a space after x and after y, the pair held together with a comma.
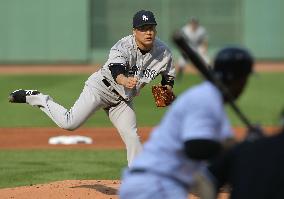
x: 19, y: 96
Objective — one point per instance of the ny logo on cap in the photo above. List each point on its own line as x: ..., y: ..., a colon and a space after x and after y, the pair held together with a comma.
x: 144, y: 18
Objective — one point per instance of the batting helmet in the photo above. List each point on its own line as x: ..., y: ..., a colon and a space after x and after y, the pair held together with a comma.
x: 233, y: 63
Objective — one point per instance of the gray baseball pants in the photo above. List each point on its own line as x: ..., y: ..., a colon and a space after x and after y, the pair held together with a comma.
x: 94, y: 96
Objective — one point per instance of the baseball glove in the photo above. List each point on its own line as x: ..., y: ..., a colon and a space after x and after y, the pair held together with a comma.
x: 162, y: 95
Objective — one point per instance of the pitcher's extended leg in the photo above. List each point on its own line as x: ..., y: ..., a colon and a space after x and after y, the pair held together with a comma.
x: 86, y: 104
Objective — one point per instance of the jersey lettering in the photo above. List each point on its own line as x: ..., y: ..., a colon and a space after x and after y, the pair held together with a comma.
x: 146, y: 73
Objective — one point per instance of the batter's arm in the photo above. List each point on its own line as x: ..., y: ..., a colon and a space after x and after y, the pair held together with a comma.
x: 206, y: 149
x: 202, y: 149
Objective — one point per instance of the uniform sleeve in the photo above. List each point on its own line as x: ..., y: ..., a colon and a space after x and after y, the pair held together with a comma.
x: 118, y: 54
x: 169, y: 67
x: 203, y: 121
x: 200, y: 125
x: 118, y: 59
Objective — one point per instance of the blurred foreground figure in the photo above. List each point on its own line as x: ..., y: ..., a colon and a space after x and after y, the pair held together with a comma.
x: 194, y: 130
x: 252, y: 169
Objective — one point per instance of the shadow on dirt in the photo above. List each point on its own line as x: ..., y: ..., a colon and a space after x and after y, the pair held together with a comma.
x: 101, y: 188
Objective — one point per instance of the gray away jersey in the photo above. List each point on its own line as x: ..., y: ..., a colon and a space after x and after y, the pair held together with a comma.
x: 145, y: 67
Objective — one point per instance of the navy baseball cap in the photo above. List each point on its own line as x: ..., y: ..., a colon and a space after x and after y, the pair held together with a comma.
x: 143, y: 17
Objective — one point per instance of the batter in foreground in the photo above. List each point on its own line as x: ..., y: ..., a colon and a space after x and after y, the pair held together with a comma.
x: 194, y: 131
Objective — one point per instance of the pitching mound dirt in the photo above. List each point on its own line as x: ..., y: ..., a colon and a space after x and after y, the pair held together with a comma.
x: 98, y: 189
x: 72, y: 189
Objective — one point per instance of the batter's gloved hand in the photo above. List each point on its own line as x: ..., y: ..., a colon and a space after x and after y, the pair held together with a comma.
x: 163, y: 96
x: 254, y: 133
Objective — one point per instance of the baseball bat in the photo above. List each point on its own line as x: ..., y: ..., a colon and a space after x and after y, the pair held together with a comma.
x: 204, y: 69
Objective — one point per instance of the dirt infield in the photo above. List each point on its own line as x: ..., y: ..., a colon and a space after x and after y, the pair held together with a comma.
x: 103, y: 138
x: 37, y: 138
x: 88, y: 69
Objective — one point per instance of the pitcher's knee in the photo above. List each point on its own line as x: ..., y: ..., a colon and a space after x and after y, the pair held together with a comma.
x: 70, y: 121
x: 70, y: 126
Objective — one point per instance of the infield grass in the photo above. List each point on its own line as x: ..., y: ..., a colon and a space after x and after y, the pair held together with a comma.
x: 29, y: 167
x: 261, y: 101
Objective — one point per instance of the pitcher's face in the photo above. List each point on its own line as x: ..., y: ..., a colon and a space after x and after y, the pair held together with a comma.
x: 145, y: 36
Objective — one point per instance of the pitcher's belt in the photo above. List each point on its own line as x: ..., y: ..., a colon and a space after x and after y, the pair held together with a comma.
x: 108, y: 85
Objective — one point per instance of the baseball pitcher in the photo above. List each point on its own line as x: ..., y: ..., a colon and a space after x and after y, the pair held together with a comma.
x: 133, y: 62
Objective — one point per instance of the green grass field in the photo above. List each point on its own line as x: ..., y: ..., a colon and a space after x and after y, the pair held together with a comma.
x: 261, y: 101
x: 28, y: 167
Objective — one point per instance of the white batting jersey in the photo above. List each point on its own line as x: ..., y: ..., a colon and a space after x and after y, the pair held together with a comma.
x: 196, y: 114
x: 145, y: 67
